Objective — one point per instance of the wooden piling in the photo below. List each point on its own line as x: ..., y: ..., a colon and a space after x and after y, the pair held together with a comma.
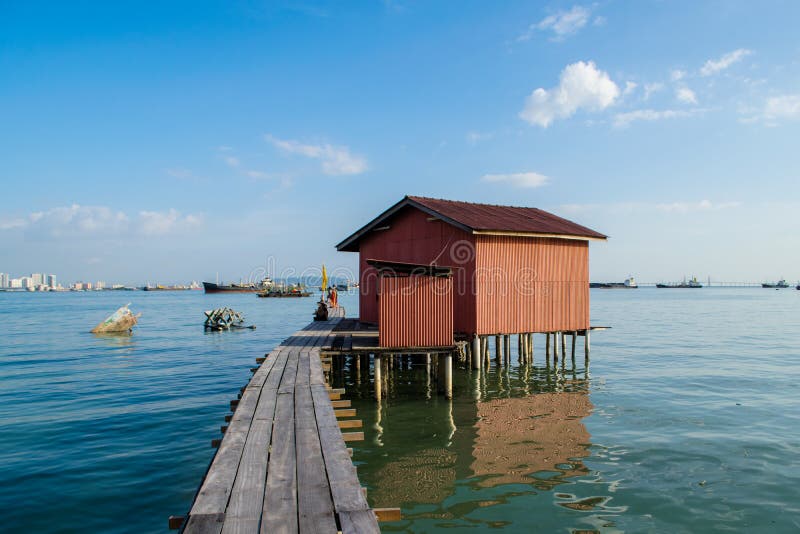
x: 547, y: 347
x: 476, y: 352
x: 378, y: 379
x: 586, y: 344
x: 448, y: 375
x: 498, y: 353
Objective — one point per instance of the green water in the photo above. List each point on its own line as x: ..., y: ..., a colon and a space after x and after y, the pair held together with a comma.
x: 687, y: 419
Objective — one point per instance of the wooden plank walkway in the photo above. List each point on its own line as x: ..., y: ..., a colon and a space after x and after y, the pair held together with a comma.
x: 282, y: 466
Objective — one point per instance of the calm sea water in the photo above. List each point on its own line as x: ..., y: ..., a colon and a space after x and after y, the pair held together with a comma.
x: 687, y: 419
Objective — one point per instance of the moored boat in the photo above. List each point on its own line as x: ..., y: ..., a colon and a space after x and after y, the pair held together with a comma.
x: 781, y: 284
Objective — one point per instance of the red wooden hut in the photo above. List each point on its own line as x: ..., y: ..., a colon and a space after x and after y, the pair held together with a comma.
x: 514, y: 269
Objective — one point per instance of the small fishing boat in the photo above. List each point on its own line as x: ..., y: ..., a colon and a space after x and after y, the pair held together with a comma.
x: 781, y: 284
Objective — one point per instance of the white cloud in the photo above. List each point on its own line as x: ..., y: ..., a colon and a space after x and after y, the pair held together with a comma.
x: 677, y: 75
x: 630, y: 87
x: 336, y: 160
x: 686, y: 95
x: 518, y: 179
x: 783, y: 107
x: 772, y: 110
x: 582, y: 86
x: 153, y: 223
x: 562, y: 24
x: 622, y: 120
x: 703, y: 205
x: 713, y: 66
x: 648, y: 207
x: 231, y: 161
x: 651, y: 88
x: 76, y: 221
x: 10, y: 224
x: 474, y: 137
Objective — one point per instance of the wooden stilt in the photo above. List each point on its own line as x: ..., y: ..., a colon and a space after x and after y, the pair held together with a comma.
x: 586, y: 344
x: 574, y: 340
x: 485, y: 351
x: 378, y: 377
x: 547, y: 347
x: 563, y: 343
x: 448, y: 375
x: 476, y: 352
x: 498, y: 353
x: 507, y: 342
x: 530, y: 347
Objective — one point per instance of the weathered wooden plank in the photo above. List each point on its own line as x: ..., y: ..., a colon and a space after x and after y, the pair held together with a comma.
x: 358, y: 521
x: 315, y: 507
x: 280, y: 500
x: 204, y: 524
x: 238, y: 525
x: 247, y: 496
x: 346, y: 412
x: 350, y: 423
x: 213, y: 495
x: 387, y: 514
x: 345, y: 487
x: 345, y: 403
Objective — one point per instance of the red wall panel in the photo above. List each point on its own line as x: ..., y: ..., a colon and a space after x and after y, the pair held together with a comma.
x: 531, y: 284
x: 415, y: 311
x: 412, y: 237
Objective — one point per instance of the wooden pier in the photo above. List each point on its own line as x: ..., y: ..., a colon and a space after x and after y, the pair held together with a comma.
x: 282, y: 465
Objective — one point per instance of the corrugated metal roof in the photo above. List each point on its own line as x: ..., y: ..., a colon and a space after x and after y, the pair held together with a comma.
x: 483, y: 218
x: 491, y: 217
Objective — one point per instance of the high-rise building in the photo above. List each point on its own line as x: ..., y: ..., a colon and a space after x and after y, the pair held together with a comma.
x: 51, y: 281
x: 4, y: 280
x: 27, y: 282
x: 38, y: 279
x: 100, y: 285
x: 15, y: 283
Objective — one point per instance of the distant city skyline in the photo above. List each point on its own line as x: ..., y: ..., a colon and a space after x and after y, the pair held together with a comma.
x: 170, y: 143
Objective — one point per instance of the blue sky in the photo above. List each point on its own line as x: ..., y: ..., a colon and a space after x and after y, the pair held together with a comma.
x: 171, y: 141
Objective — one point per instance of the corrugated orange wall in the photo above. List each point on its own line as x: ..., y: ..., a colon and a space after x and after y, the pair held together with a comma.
x: 415, y: 311
x: 531, y: 284
x: 413, y: 238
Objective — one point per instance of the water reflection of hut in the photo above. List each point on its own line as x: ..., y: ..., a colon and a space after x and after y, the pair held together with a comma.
x: 519, y: 437
x: 426, y: 476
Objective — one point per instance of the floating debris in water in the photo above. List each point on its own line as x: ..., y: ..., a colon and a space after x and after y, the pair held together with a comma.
x: 225, y: 319
x: 121, y: 321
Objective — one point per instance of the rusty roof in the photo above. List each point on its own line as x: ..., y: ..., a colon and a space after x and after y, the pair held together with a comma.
x: 483, y: 219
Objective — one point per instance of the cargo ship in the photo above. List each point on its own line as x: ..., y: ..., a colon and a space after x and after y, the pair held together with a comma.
x: 780, y: 285
x: 691, y: 284
x: 242, y: 287
x: 629, y: 283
